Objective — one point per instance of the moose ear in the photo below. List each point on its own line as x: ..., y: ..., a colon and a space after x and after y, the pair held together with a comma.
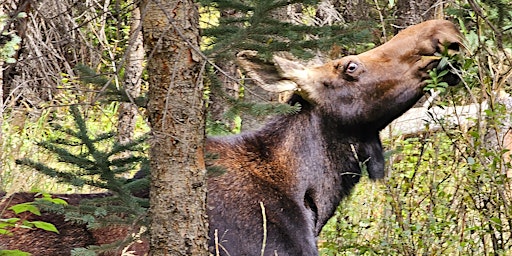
x: 274, y: 77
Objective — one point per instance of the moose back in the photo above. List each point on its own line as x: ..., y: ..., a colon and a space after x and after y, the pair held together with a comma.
x: 297, y: 168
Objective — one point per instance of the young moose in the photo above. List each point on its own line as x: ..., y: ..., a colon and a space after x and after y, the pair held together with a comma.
x: 298, y: 167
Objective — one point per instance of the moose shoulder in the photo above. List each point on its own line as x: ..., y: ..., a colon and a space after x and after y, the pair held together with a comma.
x: 299, y: 167
x: 285, y: 180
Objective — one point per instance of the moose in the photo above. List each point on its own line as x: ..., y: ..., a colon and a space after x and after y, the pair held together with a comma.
x: 286, y: 179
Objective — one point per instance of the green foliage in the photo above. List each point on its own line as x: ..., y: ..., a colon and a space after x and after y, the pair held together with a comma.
x: 216, y: 128
x: 108, y: 90
x: 9, y: 40
x: 7, y: 226
x: 256, y: 26
x: 13, y: 253
x: 97, y: 161
x: 238, y: 106
x: 435, y: 82
x: 232, y: 26
x: 259, y: 109
x: 426, y: 207
x: 500, y: 11
x: 92, y: 161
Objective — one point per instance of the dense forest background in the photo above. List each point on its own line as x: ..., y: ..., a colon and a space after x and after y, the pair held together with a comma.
x: 448, y: 189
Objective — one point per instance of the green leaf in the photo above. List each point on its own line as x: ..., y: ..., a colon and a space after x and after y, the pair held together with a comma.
x: 443, y: 84
x: 48, y: 198
x: 13, y: 253
x: 9, y: 220
x: 25, y: 207
x: 45, y: 226
x: 25, y: 224
x: 58, y: 201
x: 496, y: 220
x: 442, y: 73
x: 443, y: 63
x: 5, y: 232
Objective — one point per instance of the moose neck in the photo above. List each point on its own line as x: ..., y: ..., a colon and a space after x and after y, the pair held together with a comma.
x: 313, y: 149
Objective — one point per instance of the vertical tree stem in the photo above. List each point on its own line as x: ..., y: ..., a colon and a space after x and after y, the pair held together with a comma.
x: 178, y: 223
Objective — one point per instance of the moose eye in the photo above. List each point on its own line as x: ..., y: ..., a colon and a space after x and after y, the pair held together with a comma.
x: 352, y: 67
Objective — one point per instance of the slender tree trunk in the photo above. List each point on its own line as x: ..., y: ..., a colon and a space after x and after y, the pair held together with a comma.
x: 231, y: 88
x: 350, y: 10
x: 1, y: 101
x: 127, y: 111
x: 177, y: 210
x: 413, y: 12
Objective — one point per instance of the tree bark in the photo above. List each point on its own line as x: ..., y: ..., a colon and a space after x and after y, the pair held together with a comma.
x: 413, y: 12
x: 231, y: 88
x: 1, y: 98
x: 127, y: 111
x: 350, y: 10
x: 178, y: 224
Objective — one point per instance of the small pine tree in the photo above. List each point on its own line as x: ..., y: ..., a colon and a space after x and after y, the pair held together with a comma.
x: 97, y: 161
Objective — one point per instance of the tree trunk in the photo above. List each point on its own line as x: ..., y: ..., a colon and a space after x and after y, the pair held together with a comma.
x: 349, y: 10
x: 177, y: 210
x: 410, y: 12
x: 1, y: 98
x: 230, y: 88
x: 127, y: 111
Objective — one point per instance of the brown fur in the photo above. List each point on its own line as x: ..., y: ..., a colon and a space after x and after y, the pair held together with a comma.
x: 297, y: 168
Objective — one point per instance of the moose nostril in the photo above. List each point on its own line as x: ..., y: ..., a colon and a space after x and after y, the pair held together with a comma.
x: 454, y: 46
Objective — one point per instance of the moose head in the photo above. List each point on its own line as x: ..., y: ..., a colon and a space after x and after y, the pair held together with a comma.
x: 369, y: 89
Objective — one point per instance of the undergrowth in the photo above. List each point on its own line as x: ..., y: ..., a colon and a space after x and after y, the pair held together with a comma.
x: 21, y: 132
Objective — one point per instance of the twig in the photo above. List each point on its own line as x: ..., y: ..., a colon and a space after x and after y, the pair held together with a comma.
x: 381, y: 17
x: 264, y: 228
x: 217, y: 242
x: 480, y: 13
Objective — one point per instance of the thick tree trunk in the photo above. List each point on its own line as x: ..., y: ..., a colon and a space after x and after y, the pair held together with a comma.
x: 178, y: 177
x: 127, y: 111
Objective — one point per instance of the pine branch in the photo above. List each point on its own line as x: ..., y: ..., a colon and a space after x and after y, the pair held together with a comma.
x: 54, y: 173
x: 109, y: 91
